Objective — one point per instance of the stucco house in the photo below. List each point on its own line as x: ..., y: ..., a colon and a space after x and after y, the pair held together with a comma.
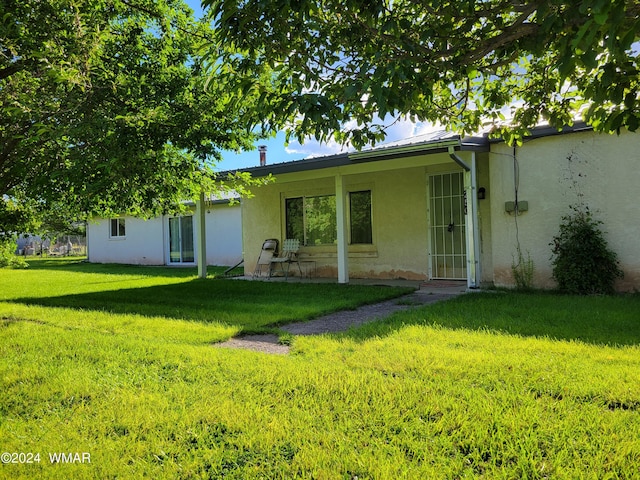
x: 169, y: 240
x: 442, y: 206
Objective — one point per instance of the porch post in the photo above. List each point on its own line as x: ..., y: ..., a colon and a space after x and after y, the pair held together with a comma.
x: 201, y: 236
x: 341, y: 221
x: 471, y: 223
x: 476, y: 222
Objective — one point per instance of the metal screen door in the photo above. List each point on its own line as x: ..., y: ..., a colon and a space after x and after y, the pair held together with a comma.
x: 448, y: 255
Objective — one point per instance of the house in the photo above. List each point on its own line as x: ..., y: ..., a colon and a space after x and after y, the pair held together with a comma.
x: 168, y: 240
x: 442, y: 206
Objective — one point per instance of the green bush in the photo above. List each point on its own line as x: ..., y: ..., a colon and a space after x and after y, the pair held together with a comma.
x: 583, y: 264
x: 8, y: 257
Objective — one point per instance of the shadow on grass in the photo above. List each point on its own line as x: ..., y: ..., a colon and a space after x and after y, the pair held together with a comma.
x: 600, y: 320
x: 255, y: 306
x: 80, y: 265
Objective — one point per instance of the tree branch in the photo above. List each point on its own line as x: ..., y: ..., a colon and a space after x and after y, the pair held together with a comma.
x: 10, y: 70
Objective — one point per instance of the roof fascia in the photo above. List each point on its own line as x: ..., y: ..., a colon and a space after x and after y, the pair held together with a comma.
x: 404, y: 150
x: 384, y: 153
x: 548, y: 131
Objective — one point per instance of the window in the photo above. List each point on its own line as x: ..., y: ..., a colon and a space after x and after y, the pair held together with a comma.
x: 360, y: 217
x: 294, y: 218
x: 312, y: 220
x: 117, y: 228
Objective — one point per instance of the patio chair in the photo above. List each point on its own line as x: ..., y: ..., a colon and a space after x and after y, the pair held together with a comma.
x: 268, y: 251
x: 287, y: 256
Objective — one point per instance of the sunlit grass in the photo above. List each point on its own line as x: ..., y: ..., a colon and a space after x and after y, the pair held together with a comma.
x: 470, y: 388
x: 146, y: 295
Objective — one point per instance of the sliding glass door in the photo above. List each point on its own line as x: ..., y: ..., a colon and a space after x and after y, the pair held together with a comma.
x: 181, y: 240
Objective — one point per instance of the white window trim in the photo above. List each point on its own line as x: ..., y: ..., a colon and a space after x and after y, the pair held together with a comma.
x: 117, y: 237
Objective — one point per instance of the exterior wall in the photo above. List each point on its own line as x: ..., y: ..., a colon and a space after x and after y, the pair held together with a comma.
x: 146, y: 241
x: 602, y: 173
x: 484, y: 221
x: 224, y: 234
x: 399, y: 218
x: 142, y: 245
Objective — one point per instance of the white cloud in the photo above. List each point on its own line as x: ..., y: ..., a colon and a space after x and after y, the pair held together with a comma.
x: 396, y: 130
x: 313, y: 148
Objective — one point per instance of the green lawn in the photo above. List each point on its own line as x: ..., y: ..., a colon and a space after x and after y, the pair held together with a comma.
x: 116, y: 362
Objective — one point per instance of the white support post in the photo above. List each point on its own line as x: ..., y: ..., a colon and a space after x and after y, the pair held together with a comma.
x: 475, y: 221
x: 201, y: 236
x: 471, y: 223
x: 341, y: 220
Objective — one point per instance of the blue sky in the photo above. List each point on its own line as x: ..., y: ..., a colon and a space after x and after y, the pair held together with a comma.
x: 278, y: 152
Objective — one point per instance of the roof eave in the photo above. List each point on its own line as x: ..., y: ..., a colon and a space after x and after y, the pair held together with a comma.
x: 404, y: 150
x: 549, y: 131
x: 478, y: 144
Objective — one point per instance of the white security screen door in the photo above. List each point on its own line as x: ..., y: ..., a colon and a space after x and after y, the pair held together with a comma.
x: 181, y: 240
x: 448, y: 255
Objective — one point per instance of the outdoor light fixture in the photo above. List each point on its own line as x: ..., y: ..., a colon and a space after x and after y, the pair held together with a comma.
x: 481, y: 193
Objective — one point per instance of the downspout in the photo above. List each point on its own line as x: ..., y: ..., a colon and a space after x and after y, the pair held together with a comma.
x: 472, y: 232
x: 458, y: 160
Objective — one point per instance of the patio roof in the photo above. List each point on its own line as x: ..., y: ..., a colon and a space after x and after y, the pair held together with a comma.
x: 439, y: 141
x: 435, y: 142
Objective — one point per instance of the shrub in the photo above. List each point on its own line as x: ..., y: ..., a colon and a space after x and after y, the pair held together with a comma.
x: 582, y: 261
x: 8, y: 257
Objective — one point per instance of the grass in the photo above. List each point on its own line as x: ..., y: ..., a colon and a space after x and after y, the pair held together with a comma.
x: 72, y: 292
x: 483, y: 386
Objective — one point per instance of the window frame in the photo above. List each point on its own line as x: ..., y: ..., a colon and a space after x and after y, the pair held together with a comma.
x: 120, y: 228
x: 351, y: 215
x: 289, y: 228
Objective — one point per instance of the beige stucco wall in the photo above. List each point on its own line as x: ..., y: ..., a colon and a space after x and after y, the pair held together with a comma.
x: 484, y: 221
x: 399, y: 217
x: 603, y: 173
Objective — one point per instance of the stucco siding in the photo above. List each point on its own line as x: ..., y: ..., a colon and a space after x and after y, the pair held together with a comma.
x: 224, y: 234
x: 399, y: 221
x: 260, y: 221
x: 553, y: 174
x: 400, y: 226
x: 484, y: 221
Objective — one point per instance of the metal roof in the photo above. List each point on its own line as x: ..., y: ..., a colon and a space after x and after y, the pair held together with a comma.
x: 433, y: 142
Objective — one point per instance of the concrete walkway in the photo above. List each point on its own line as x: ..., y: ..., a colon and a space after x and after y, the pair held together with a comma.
x: 425, y: 293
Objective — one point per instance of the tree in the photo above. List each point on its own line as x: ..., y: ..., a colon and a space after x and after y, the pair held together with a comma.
x: 340, y: 64
x: 106, y: 109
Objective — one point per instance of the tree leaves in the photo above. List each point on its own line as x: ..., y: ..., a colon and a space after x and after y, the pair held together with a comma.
x: 446, y: 61
x: 104, y: 106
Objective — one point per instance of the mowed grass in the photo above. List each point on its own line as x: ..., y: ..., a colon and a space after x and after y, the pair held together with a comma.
x: 152, y: 299
x: 483, y: 386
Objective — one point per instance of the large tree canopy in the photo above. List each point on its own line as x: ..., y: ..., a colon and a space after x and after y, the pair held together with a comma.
x: 347, y: 62
x: 105, y: 108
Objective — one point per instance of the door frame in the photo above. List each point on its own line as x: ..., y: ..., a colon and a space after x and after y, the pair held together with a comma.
x: 462, y: 221
x: 168, y: 241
